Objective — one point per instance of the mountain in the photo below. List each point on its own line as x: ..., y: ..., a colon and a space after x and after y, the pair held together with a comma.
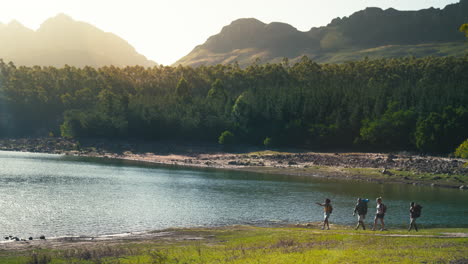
x: 61, y: 40
x: 372, y: 32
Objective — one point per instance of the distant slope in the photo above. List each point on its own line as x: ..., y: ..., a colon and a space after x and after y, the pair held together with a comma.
x: 61, y: 40
x: 372, y: 32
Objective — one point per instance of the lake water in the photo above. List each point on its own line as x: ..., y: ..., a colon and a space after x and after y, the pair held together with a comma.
x: 57, y: 195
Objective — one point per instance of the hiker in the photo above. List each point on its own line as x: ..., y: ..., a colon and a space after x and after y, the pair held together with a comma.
x: 361, y: 210
x: 327, y: 210
x: 415, y: 212
x: 380, y: 214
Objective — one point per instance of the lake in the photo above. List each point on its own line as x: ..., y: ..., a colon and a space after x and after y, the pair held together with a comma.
x: 58, y: 195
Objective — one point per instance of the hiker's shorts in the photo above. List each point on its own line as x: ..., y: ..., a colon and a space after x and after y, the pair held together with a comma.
x: 326, y: 216
x: 380, y: 216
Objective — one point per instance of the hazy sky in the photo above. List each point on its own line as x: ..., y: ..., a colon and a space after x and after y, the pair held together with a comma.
x: 164, y: 31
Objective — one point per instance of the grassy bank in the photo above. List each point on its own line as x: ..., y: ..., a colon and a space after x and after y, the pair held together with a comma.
x: 370, y: 175
x: 261, y: 245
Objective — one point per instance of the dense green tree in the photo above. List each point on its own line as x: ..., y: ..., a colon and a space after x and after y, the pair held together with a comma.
x: 183, y: 88
x: 320, y: 106
x: 442, y: 132
x: 393, y: 130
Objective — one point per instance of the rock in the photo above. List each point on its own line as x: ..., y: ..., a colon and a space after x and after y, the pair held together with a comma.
x: 463, y: 187
x: 42, y: 237
x: 386, y: 172
x: 292, y: 162
x: 30, y: 238
x: 16, y: 238
x: 7, y: 238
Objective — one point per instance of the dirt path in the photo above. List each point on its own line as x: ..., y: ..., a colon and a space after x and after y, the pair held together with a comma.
x: 444, y: 235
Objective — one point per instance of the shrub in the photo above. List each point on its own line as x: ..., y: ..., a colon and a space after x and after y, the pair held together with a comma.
x: 462, y: 150
x: 226, y: 138
x: 268, y: 142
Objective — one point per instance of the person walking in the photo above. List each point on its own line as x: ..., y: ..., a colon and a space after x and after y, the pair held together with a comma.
x: 327, y: 210
x: 380, y: 214
x: 415, y: 212
x: 361, y: 209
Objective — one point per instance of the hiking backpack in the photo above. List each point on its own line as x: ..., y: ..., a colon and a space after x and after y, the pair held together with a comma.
x: 362, y: 208
x: 417, y: 210
x: 384, y: 208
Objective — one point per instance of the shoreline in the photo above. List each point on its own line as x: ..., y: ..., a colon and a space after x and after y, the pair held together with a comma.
x: 178, y: 234
x: 402, y: 168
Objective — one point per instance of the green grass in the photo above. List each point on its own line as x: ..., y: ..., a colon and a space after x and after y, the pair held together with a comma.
x: 267, y: 245
x: 394, y: 51
x: 393, y: 176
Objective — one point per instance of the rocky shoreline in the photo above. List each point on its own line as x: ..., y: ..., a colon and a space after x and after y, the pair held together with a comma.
x: 377, y: 167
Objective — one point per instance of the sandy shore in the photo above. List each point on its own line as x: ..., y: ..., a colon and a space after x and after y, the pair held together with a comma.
x: 376, y: 167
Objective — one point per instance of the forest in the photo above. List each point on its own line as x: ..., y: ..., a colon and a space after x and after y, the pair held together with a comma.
x: 411, y: 104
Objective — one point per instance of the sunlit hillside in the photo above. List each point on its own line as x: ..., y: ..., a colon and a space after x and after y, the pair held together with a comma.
x: 373, y: 33
x: 61, y: 40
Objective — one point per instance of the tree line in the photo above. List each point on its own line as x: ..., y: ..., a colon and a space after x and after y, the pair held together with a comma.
x: 416, y: 104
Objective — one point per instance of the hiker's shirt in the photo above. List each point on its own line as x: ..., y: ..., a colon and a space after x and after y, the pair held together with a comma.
x: 380, y: 209
x: 413, y: 213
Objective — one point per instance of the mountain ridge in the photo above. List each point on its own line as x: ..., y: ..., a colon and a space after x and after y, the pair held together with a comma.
x: 61, y: 40
x: 423, y: 32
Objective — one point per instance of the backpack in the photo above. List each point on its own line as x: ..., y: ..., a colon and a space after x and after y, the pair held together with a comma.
x: 417, y: 210
x: 362, y: 208
x: 384, y: 208
x: 328, y: 209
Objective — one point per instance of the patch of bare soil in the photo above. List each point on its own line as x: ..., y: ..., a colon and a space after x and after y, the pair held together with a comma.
x: 107, y: 240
